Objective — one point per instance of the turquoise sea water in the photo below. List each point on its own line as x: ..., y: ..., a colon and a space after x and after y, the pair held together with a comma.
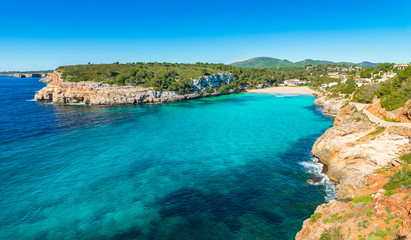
x: 228, y: 167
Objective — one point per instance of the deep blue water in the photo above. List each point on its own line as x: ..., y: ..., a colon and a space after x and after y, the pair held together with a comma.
x: 229, y: 167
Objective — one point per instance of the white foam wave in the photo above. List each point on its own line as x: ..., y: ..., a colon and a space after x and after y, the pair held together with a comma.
x: 76, y: 104
x: 315, y: 168
x: 285, y: 94
x: 326, y: 114
x: 31, y: 100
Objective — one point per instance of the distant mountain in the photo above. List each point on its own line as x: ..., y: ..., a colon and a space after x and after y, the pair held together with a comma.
x: 367, y: 64
x: 263, y: 62
x: 267, y: 62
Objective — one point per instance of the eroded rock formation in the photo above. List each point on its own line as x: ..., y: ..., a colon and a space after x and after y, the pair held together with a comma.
x: 355, y: 147
x: 361, y: 156
x: 95, y: 93
x: 330, y: 105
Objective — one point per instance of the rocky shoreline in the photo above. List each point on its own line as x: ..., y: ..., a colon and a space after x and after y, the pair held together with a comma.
x: 356, y: 150
x: 96, y: 93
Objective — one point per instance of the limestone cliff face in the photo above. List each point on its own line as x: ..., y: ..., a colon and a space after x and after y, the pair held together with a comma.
x: 352, y: 149
x: 330, y: 105
x: 361, y: 156
x: 94, y: 93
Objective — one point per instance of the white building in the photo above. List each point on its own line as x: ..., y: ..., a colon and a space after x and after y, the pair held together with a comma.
x: 362, y: 81
x: 333, y: 75
x: 400, y: 66
x: 293, y: 82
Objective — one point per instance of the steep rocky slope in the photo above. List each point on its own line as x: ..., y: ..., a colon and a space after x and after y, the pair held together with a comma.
x: 361, y: 157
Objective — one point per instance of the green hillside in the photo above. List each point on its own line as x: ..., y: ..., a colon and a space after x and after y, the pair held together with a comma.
x: 267, y: 62
x: 263, y: 62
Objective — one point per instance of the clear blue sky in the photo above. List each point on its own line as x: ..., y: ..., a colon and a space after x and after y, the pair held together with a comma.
x: 45, y: 34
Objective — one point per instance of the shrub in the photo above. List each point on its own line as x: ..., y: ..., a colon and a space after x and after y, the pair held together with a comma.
x: 401, y: 179
x: 332, y: 234
x: 315, y: 217
x: 389, y: 193
x: 346, y: 200
x: 368, y: 213
x: 333, y: 218
x: 393, y: 101
x: 390, y: 120
x: 379, y: 130
x: 363, y: 224
x: 366, y: 93
x: 365, y: 198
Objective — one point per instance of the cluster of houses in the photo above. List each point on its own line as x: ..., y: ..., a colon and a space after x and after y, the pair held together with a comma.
x: 294, y: 82
x: 342, y: 76
x: 341, y: 73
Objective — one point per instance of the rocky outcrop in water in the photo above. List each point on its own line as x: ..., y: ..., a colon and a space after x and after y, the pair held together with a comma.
x: 95, y: 93
x: 330, y: 105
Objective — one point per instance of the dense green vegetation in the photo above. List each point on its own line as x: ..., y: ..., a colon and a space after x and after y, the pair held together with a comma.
x: 406, y: 158
x: 347, y: 88
x: 165, y: 76
x: 175, y: 77
x: 395, y: 92
x: 365, y: 93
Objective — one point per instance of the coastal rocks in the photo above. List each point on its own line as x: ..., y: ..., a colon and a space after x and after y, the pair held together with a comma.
x: 361, y: 156
x: 94, y: 93
x: 353, y: 148
x: 54, y: 77
x: 372, y: 214
x: 330, y: 105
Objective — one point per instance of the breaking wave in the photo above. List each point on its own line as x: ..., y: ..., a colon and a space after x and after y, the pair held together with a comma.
x: 315, y: 168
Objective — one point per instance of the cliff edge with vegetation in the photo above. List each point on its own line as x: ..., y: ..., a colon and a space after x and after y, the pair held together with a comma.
x: 98, y: 93
x: 368, y: 155
x: 136, y: 83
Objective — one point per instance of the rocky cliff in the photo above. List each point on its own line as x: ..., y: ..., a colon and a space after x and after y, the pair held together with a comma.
x: 361, y: 156
x: 97, y: 93
x: 330, y: 105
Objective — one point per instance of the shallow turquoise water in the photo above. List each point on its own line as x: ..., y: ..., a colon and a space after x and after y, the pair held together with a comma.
x: 229, y: 167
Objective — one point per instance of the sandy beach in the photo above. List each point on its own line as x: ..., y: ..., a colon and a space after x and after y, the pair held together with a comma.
x: 289, y: 90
